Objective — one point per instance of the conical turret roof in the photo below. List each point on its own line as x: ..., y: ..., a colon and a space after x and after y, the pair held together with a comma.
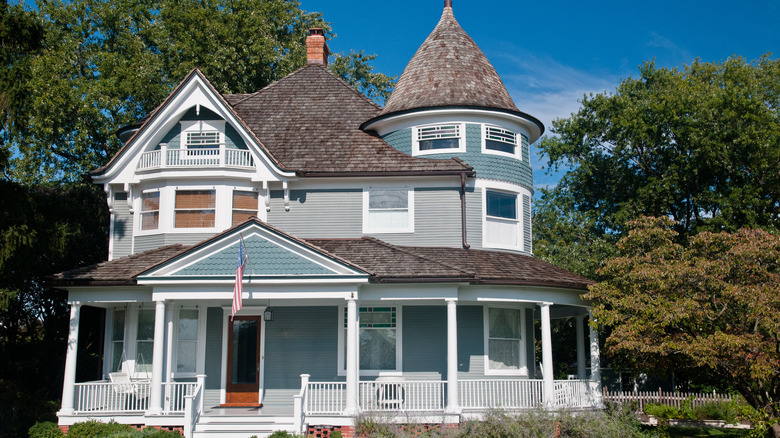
x: 448, y: 70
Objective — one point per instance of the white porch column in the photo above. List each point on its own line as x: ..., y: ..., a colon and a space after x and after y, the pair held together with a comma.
x: 595, y: 362
x: 580, y: 320
x: 353, y: 373
x: 547, y: 365
x: 155, y: 399
x: 69, y: 383
x: 453, y: 405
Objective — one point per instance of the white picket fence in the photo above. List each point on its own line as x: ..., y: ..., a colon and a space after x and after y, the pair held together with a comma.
x: 675, y: 399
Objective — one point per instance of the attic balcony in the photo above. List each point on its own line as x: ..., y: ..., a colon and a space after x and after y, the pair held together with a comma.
x: 196, y: 157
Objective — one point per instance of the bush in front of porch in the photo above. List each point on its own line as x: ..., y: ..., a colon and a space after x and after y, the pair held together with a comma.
x: 96, y: 429
x: 611, y: 423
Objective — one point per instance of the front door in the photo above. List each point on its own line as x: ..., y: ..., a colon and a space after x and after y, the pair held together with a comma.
x: 243, y: 361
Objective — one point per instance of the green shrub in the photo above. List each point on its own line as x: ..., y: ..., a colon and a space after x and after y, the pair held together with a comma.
x: 281, y: 434
x: 664, y: 412
x: 46, y: 429
x: 335, y: 434
x: 96, y: 429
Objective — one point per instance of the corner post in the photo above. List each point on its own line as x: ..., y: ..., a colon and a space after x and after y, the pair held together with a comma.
x: 595, y: 362
x: 453, y: 404
x: 69, y: 383
x: 353, y: 374
x: 547, y: 365
x: 155, y: 399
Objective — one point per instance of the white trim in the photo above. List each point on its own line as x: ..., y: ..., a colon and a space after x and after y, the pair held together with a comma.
x: 523, y: 370
x: 368, y: 228
x: 518, y: 145
x: 517, y: 223
x: 398, y: 371
x: 461, y: 136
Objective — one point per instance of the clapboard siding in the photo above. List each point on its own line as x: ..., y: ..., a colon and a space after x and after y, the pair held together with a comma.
x: 145, y: 243
x: 436, y: 220
x: 319, y: 213
x: 122, y: 237
x: 425, y: 342
x: 527, y: 240
x: 301, y: 340
x: 474, y: 217
x: 471, y: 342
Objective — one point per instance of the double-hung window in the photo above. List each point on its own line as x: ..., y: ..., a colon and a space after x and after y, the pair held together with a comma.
x: 502, y: 223
x: 195, y: 208
x: 244, y: 205
x: 501, y: 141
x: 388, y: 210
x: 144, y: 342
x: 150, y: 210
x: 432, y: 139
x: 505, y: 349
x: 117, y: 339
x: 187, y: 345
x: 378, y: 337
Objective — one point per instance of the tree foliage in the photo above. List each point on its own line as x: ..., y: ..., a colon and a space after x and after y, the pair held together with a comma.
x: 104, y: 64
x: 700, y: 145
x: 713, y: 304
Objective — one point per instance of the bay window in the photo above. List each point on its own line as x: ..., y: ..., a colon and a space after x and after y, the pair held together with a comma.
x: 244, y: 205
x: 150, y: 210
x: 195, y: 209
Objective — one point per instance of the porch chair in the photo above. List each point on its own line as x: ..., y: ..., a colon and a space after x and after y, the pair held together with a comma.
x: 389, y: 393
x: 124, y: 388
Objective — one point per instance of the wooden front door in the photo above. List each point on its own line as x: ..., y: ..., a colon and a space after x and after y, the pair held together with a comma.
x: 243, y: 361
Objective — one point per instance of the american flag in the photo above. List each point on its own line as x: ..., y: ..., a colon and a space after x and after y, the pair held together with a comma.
x: 238, y: 289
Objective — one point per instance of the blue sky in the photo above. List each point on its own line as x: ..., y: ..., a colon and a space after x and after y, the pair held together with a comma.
x: 549, y: 54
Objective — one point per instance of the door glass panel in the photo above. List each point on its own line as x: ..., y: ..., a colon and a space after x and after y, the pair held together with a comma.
x: 244, y: 358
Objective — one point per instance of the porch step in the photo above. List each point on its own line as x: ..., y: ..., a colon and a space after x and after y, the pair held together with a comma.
x: 241, y: 426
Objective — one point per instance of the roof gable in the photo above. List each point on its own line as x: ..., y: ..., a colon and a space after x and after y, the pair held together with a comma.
x: 195, y: 91
x: 272, y: 255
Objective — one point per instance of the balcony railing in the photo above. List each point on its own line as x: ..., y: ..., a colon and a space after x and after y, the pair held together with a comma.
x: 195, y: 158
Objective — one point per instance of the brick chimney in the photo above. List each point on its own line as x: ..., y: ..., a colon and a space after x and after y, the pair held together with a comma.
x: 316, y: 48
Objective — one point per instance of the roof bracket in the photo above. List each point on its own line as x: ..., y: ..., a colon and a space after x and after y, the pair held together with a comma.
x: 286, y: 196
x: 267, y: 196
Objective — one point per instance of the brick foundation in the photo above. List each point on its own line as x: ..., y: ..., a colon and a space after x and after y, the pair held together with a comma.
x: 349, y: 431
x: 325, y: 431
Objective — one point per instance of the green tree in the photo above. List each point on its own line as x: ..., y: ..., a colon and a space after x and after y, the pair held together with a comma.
x: 105, y: 64
x: 713, y: 304
x: 700, y: 145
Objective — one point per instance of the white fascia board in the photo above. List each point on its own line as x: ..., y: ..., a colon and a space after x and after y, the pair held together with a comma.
x: 451, y: 115
x: 195, y: 92
x: 312, y: 291
x: 403, y: 292
x: 228, y: 296
x: 156, y: 282
x: 359, y: 183
x: 108, y: 295
x: 523, y: 294
x: 232, y: 240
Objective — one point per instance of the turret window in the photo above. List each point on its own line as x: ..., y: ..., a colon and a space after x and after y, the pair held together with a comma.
x: 501, y: 141
x: 501, y: 220
x: 439, y: 138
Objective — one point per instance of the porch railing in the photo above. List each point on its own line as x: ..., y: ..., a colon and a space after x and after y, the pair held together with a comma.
x: 323, y: 398
x: 401, y: 395
x: 500, y: 393
x: 573, y: 394
x: 108, y: 397
x: 193, y: 406
x: 200, y: 157
x: 175, y: 394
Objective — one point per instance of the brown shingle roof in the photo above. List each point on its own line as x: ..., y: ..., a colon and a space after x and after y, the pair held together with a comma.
x: 449, y: 70
x: 390, y: 263
x: 309, y: 120
x: 120, y: 271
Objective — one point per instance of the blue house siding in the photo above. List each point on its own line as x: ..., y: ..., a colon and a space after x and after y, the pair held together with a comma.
x: 301, y: 340
x: 213, y: 365
x: 152, y: 241
x: 425, y: 341
x: 122, y: 236
x: 319, y: 213
x: 487, y: 166
x: 474, y: 217
x: 471, y: 342
x: 527, y: 240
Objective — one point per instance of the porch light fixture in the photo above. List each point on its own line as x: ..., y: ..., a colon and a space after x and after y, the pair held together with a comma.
x: 268, y: 314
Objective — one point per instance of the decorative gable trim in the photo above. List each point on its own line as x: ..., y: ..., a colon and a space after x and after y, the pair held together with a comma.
x: 274, y: 257
x: 194, y: 91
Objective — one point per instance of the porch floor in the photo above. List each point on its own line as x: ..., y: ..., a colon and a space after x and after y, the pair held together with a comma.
x: 221, y: 411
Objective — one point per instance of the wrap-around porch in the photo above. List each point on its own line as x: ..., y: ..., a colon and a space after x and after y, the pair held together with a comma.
x: 153, y: 399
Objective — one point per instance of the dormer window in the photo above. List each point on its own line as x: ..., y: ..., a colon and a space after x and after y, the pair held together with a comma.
x: 500, y: 141
x: 441, y: 138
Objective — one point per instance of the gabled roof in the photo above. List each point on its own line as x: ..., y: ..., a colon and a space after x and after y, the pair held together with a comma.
x: 449, y: 70
x: 310, y: 121
x: 382, y: 261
